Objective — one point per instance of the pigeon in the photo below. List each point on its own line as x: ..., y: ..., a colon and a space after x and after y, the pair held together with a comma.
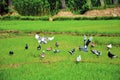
x: 56, y: 44
x: 11, y: 52
x: 43, y: 40
x: 43, y: 54
x: 86, y: 43
x: 72, y: 51
x: 110, y: 55
x: 109, y: 46
x: 96, y: 52
x: 92, y: 45
x: 26, y: 46
x: 56, y: 51
x: 78, y: 59
x: 49, y: 49
x: 39, y: 47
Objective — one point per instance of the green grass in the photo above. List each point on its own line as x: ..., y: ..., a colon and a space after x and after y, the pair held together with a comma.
x: 28, y: 65
x: 23, y: 65
x: 80, y: 27
x: 62, y: 70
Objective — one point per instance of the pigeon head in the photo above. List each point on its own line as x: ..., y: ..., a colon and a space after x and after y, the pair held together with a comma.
x: 85, y: 37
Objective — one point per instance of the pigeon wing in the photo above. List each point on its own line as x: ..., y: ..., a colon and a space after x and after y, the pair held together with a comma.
x: 37, y: 36
x: 50, y: 38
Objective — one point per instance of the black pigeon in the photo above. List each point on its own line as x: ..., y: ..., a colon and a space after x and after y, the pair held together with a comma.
x: 39, y: 47
x: 56, y: 44
x: 110, y: 55
x: 88, y: 41
x: 98, y: 53
x: 11, y: 52
x: 26, y: 46
x: 72, y: 51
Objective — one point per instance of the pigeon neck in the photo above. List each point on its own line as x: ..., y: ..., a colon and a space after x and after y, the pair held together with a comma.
x: 108, y: 50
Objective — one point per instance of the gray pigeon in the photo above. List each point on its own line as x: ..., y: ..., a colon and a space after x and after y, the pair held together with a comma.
x: 56, y: 44
x: 98, y: 53
x: 86, y: 44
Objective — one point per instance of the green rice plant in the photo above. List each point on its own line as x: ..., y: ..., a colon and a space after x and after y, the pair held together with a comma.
x: 28, y: 65
x: 103, y: 27
x: 62, y: 70
x: 67, y: 42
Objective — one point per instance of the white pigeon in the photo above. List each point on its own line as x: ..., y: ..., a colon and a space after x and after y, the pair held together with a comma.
x: 78, y: 59
x: 43, y: 40
x: 109, y: 46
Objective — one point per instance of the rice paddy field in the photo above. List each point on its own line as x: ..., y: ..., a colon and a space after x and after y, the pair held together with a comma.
x: 28, y: 65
